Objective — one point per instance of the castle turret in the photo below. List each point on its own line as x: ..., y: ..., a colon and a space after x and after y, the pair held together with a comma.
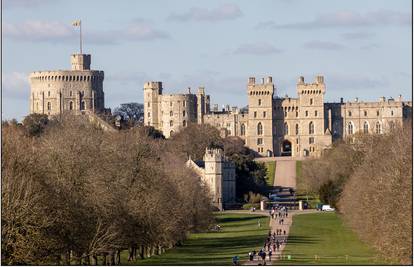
x: 152, y: 92
x: 80, y: 62
x: 260, y: 127
x: 201, y: 105
x: 213, y: 159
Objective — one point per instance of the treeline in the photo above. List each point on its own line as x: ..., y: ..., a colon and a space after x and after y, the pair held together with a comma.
x: 72, y: 193
x: 370, y: 181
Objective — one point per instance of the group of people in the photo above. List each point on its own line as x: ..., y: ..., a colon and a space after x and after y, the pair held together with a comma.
x: 271, y: 245
x: 278, y: 212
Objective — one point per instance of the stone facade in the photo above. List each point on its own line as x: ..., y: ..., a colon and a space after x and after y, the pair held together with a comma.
x: 79, y: 90
x: 275, y: 126
x: 219, y: 174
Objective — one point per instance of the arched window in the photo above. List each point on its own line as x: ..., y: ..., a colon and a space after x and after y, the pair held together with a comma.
x: 286, y: 126
x: 82, y: 107
x: 297, y: 129
x: 171, y: 133
x: 171, y: 123
x: 171, y: 113
x: 259, y: 129
x: 366, y: 127
x: 311, y: 101
x: 378, y: 127
x: 184, y: 123
x: 311, y: 128
x: 49, y: 106
x: 243, y: 130
x: 350, y: 128
x: 259, y: 102
x: 70, y: 105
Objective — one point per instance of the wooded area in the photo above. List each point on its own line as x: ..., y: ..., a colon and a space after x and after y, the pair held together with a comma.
x: 369, y: 179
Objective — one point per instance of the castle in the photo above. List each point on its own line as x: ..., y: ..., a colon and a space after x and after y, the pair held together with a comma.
x: 219, y: 175
x: 79, y: 90
x: 274, y: 126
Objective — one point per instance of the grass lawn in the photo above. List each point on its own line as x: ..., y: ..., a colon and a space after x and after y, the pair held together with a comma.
x: 324, y: 235
x: 239, y: 234
x: 270, y: 172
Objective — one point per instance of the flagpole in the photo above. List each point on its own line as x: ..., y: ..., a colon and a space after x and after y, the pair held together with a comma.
x: 80, y: 34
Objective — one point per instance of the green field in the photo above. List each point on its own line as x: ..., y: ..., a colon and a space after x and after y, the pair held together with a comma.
x: 324, y: 235
x: 270, y: 172
x: 239, y: 234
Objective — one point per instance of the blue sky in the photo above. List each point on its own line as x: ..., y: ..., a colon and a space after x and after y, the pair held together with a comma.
x: 362, y: 47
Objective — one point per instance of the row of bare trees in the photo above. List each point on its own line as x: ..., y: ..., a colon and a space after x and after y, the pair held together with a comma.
x: 72, y: 193
x: 370, y: 181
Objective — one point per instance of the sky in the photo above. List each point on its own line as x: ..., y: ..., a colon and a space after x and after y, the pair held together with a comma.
x: 363, y: 48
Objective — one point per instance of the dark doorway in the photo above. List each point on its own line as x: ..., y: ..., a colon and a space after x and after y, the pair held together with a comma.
x: 286, y: 148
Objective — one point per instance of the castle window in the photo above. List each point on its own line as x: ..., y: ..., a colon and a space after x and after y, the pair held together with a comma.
x: 49, y: 106
x: 183, y: 113
x: 243, y: 130
x: 82, y: 107
x: 70, y: 105
x: 149, y: 104
x: 297, y: 129
x: 366, y: 127
x: 316, y: 113
x: 297, y: 114
x: 311, y: 101
x: 349, y: 113
x: 285, y: 113
x: 170, y: 104
x: 259, y: 141
x: 171, y: 133
x: 184, y: 103
x: 70, y: 93
x: 255, y: 114
x: 311, y: 128
x: 184, y: 123
x: 311, y: 140
x: 391, y: 125
x: 297, y: 141
x: 149, y: 114
x: 264, y: 114
x: 392, y: 113
x: 378, y: 127
x: 350, y: 128
x: 377, y: 112
x: 306, y: 113
x: 48, y: 93
x: 286, y: 127
x: 259, y: 129
x: 171, y: 123
x: 365, y: 113
x: 260, y: 102
x: 171, y: 113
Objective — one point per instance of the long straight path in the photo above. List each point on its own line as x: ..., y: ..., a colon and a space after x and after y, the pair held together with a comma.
x: 285, y: 173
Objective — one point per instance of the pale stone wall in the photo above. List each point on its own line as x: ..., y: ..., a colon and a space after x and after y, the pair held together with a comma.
x: 78, y: 90
x: 306, y: 124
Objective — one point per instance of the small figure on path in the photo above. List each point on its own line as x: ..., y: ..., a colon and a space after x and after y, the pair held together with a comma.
x: 236, y: 260
x: 250, y: 256
x: 284, y: 232
x: 270, y: 255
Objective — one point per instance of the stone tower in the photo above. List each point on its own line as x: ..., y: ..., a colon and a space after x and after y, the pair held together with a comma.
x: 80, y: 62
x: 152, y: 99
x: 260, y: 127
x: 311, y: 114
x: 201, y: 105
x: 213, y: 159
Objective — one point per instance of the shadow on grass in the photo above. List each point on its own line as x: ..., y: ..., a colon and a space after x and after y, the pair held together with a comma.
x: 230, y: 219
x: 298, y: 239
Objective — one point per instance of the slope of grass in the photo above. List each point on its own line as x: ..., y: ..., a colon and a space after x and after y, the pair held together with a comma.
x: 324, y: 235
x: 239, y: 234
x: 270, y: 172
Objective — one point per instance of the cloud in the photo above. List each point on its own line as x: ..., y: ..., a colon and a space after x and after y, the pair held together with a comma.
x: 322, y: 45
x: 59, y: 32
x: 357, y: 35
x: 7, y: 4
x: 223, y: 12
x: 15, y: 85
x: 346, y: 19
x: 257, y: 49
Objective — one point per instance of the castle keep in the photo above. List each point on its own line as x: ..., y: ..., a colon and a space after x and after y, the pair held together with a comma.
x: 79, y: 90
x: 274, y: 126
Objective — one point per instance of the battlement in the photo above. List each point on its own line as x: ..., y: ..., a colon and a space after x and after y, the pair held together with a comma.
x: 153, y: 85
x: 252, y: 80
x: 317, y: 87
x: 67, y: 76
x: 215, y: 154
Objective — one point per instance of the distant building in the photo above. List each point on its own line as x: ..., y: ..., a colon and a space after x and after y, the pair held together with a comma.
x: 79, y: 90
x: 275, y: 126
x: 219, y: 174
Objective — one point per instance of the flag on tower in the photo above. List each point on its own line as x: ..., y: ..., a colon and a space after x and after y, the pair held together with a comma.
x: 76, y: 23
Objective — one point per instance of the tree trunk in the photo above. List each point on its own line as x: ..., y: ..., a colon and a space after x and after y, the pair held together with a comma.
x: 141, y: 252
x: 130, y: 253
x: 94, y: 259
x: 104, y: 259
x: 118, y: 257
x: 67, y: 257
x: 112, y: 258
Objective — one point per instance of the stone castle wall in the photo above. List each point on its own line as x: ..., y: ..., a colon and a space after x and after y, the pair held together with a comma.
x: 77, y: 90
